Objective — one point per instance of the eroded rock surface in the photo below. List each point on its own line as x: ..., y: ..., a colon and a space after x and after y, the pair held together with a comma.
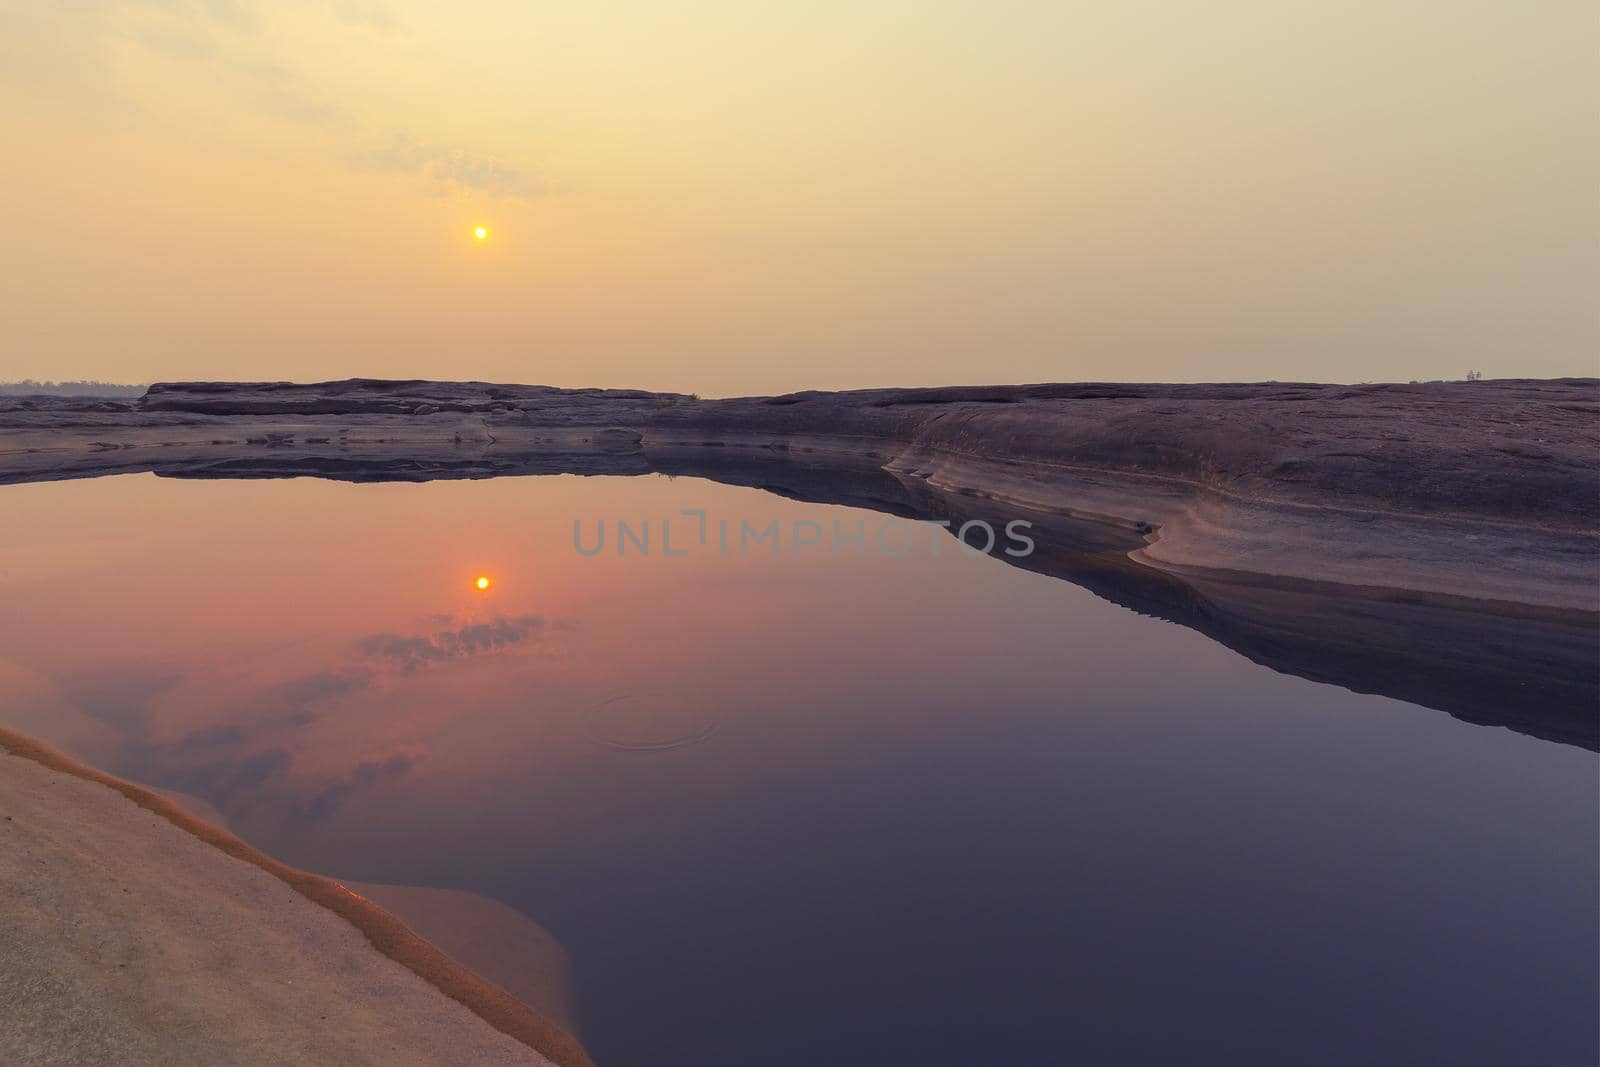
x: 1438, y: 542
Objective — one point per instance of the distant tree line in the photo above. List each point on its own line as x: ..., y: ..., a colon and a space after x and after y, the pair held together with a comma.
x: 29, y: 387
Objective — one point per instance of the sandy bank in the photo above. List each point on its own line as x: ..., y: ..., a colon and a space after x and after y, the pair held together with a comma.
x: 138, y: 934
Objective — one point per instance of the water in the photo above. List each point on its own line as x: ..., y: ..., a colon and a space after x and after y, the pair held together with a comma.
x: 814, y: 808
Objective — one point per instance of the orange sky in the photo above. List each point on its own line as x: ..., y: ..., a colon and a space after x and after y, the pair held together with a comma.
x: 731, y: 198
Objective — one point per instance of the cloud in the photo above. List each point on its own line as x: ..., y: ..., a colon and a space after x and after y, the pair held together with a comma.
x: 276, y: 90
x: 235, y: 49
x: 292, y: 703
x: 371, y: 16
x: 449, y: 168
x: 368, y: 774
x: 209, y: 737
x: 414, y: 652
x: 121, y: 698
x: 308, y: 689
x: 260, y: 781
x: 223, y: 780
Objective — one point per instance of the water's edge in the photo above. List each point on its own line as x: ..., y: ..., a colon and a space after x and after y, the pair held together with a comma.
x: 383, y: 931
x: 1488, y: 620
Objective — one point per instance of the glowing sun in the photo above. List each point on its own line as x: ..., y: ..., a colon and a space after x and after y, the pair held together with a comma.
x: 481, y: 233
x: 481, y: 582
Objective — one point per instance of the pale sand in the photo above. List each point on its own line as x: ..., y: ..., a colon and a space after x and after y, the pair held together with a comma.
x: 135, y: 933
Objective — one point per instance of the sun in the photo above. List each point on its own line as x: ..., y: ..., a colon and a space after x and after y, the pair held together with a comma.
x: 481, y: 233
x: 481, y: 582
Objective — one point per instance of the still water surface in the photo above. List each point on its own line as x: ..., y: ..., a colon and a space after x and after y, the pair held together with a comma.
x: 817, y: 808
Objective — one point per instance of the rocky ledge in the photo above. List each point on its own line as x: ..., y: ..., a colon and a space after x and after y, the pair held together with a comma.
x: 1452, y: 529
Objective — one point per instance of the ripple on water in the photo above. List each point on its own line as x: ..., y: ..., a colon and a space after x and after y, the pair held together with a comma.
x: 627, y: 724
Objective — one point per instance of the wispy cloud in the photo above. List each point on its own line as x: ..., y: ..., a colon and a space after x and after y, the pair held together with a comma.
x: 413, y: 652
x: 226, y: 779
x: 308, y: 689
x: 234, y: 48
x: 371, y: 772
x: 447, y: 167
x: 276, y: 90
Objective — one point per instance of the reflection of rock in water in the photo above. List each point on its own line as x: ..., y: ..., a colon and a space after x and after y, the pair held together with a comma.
x: 622, y: 723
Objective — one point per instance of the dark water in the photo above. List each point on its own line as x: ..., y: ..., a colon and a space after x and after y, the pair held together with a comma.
x: 814, y: 808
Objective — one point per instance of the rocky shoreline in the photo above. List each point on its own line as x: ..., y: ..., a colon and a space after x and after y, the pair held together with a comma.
x: 1436, y: 542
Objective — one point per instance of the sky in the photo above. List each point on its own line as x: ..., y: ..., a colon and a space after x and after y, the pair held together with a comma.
x: 730, y: 197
